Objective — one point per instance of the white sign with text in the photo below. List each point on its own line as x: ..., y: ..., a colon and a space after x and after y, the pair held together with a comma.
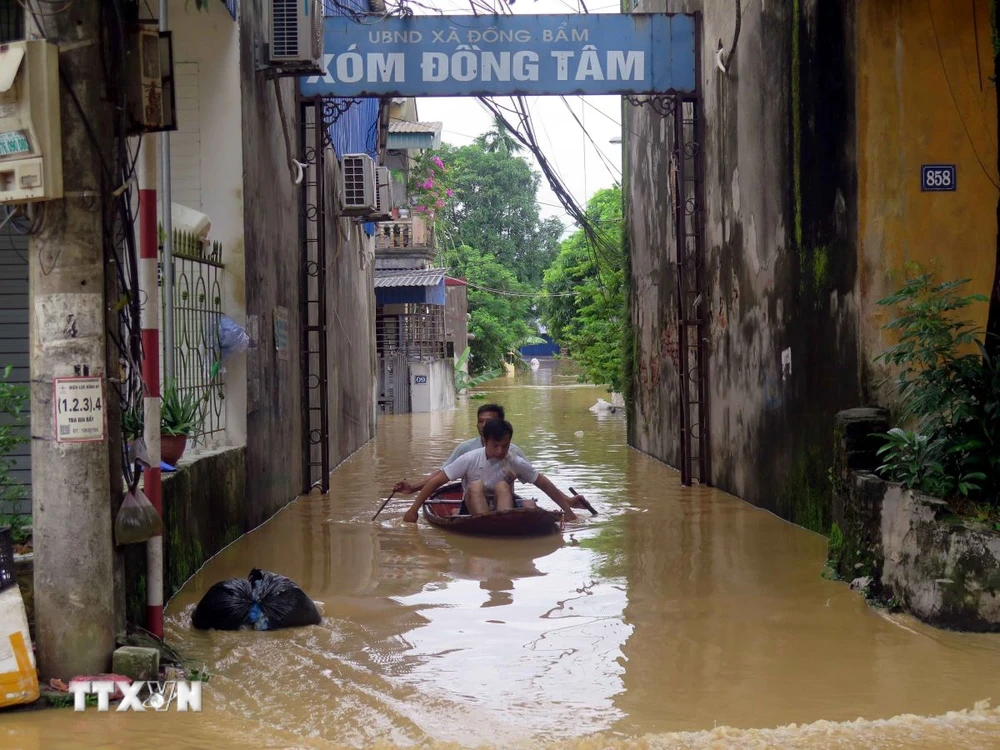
x: 79, y: 409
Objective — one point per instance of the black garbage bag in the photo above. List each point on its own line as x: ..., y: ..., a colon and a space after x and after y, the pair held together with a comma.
x: 262, y: 601
x: 280, y: 603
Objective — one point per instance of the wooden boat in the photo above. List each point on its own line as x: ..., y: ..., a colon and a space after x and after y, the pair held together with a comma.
x: 442, y: 509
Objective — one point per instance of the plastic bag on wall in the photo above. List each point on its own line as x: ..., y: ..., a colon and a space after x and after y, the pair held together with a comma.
x: 233, y: 339
x: 137, y: 519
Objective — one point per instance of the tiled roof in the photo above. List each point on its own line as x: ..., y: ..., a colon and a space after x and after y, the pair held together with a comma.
x: 403, y: 126
x: 417, y: 277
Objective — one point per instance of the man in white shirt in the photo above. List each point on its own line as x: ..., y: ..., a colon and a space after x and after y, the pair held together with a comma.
x: 488, y: 475
x: 485, y: 414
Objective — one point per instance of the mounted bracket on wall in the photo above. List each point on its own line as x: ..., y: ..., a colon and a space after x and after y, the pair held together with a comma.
x: 332, y: 109
x: 662, y: 104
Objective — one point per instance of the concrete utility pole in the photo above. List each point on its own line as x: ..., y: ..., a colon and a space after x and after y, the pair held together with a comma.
x: 72, y: 482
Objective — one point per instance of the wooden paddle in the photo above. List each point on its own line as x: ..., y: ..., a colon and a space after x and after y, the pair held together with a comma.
x: 383, y: 505
x: 586, y: 504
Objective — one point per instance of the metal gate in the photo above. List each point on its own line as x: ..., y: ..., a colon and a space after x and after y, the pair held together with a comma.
x: 687, y: 213
x: 312, y: 295
x: 394, y: 383
x: 15, y: 349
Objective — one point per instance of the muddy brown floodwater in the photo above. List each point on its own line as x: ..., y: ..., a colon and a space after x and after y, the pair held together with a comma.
x: 683, y: 617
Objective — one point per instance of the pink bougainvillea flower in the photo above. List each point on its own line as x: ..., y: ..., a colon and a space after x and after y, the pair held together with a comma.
x: 437, y: 160
x: 450, y: 192
x: 421, y: 208
x: 429, y: 184
x: 440, y: 204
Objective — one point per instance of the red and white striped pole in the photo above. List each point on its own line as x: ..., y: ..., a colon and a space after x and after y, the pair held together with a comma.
x: 150, y: 300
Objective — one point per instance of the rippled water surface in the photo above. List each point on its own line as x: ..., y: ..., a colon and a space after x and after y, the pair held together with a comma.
x: 681, y: 617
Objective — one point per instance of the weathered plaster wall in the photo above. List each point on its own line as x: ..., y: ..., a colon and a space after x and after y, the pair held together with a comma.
x: 203, y: 510
x: 909, y: 550
x: 456, y: 318
x: 272, y: 249
x: 925, y: 96
x: 654, y: 414
x: 779, y: 254
x: 351, y: 330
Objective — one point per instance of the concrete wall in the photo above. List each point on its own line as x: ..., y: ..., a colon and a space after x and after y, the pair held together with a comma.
x: 925, y: 97
x: 351, y: 325
x: 207, y: 161
x: 456, y: 317
x: 204, y: 509
x: 273, y: 245
x: 780, y: 256
x: 437, y: 392
x: 910, y: 551
x: 273, y: 260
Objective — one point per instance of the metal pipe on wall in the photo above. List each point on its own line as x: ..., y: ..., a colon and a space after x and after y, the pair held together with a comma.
x: 168, y: 239
x: 152, y: 480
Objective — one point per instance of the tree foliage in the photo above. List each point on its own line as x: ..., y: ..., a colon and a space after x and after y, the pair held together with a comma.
x: 495, y: 208
x: 498, y: 321
x: 483, y: 201
x: 591, y: 322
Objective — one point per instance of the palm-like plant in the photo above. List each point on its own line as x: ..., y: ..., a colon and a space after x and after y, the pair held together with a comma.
x: 464, y: 382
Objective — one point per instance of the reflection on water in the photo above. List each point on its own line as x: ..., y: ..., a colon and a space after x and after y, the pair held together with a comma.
x: 682, y: 616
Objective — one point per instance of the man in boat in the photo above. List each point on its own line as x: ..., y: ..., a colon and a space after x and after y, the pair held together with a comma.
x: 485, y: 414
x: 488, y: 475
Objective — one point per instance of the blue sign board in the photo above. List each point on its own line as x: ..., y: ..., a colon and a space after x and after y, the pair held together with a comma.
x: 500, y: 55
x: 937, y: 178
x: 420, y: 379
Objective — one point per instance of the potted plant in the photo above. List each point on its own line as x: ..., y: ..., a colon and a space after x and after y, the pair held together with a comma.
x: 180, y: 418
x: 132, y: 423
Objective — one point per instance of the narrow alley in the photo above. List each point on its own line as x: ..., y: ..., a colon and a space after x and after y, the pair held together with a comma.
x: 673, y: 610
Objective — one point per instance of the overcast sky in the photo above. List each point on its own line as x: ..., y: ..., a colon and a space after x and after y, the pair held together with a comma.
x: 584, y: 166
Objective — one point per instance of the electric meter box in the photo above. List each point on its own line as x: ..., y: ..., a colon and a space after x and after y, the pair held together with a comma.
x: 30, y: 124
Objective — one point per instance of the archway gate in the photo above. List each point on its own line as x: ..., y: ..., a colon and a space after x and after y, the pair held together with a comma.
x: 651, y: 59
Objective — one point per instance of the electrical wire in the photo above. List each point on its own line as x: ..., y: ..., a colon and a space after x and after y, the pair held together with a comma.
x: 954, y: 100
x: 520, y: 294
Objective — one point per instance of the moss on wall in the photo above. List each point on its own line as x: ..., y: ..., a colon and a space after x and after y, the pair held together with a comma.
x: 205, y: 509
x: 805, y: 496
x: 185, y: 556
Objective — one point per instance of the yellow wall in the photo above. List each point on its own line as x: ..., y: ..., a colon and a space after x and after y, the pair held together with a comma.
x: 924, y: 96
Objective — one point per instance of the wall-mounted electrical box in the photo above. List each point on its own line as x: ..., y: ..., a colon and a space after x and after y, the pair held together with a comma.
x: 150, y: 79
x: 30, y: 124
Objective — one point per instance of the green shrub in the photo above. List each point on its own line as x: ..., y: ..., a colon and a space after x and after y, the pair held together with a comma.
x: 948, y: 396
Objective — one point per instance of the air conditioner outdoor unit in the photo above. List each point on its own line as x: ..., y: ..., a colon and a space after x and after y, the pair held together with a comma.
x: 295, y: 35
x: 383, y: 194
x: 357, y: 174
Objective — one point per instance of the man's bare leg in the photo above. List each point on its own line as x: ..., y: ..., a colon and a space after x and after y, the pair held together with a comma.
x: 475, y: 498
x: 504, y: 495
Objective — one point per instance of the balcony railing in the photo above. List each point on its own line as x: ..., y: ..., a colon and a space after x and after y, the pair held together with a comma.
x: 415, y: 330
x: 405, y: 234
